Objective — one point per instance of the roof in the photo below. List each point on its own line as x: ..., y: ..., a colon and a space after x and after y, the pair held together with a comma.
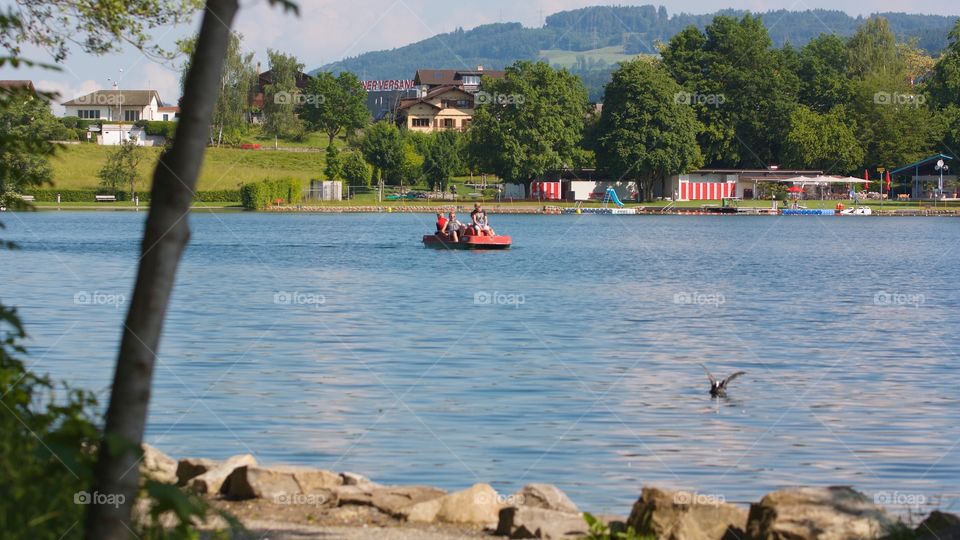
x: 407, y: 103
x: 921, y: 163
x: 7, y: 85
x: 127, y: 98
x: 266, y: 78
x: 169, y: 108
x: 454, y: 77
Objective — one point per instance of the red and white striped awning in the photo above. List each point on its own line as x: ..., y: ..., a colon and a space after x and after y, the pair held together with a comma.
x: 694, y: 191
x: 548, y: 191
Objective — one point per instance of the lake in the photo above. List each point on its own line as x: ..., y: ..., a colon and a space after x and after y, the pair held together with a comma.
x: 338, y: 341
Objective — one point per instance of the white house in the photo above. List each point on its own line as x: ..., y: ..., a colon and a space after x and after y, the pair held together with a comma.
x: 116, y: 106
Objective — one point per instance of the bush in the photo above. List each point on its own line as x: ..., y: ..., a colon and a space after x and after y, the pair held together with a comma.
x: 260, y: 195
x: 159, y: 128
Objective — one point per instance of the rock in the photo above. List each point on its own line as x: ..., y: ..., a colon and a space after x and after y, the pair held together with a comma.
x: 831, y: 513
x: 210, y: 482
x: 480, y: 505
x: 355, y: 495
x: 158, y: 466
x: 534, y: 522
x: 396, y: 500
x: 679, y: 515
x: 546, y: 496
x: 939, y: 526
x: 354, y: 479
x: 272, y: 482
x: 192, y: 467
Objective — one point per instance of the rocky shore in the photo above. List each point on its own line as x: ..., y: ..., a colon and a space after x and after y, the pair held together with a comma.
x: 283, y: 502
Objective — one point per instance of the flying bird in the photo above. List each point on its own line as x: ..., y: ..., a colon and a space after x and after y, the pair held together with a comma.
x: 719, y: 388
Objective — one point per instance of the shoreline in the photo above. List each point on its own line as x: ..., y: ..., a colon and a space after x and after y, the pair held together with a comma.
x: 303, y: 502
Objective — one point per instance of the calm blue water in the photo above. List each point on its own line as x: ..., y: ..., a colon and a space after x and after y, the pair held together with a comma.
x: 581, y: 371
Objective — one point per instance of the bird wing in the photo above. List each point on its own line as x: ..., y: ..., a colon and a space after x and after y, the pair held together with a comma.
x: 732, y: 377
x: 713, y: 380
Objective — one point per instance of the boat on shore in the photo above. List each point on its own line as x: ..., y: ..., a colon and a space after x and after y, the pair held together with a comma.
x: 467, y: 241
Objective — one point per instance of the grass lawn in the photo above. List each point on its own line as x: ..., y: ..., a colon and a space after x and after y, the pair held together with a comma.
x: 224, y: 168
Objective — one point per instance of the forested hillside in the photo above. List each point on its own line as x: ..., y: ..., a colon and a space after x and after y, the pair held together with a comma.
x: 588, y: 34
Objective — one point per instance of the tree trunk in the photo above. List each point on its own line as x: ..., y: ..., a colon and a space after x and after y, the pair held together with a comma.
x: 174, y: 180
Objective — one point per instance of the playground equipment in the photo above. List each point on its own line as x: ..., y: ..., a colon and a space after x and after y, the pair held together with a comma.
x: 611, y: 196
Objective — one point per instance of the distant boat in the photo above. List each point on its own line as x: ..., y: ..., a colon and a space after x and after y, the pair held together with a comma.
x: 467, y: 241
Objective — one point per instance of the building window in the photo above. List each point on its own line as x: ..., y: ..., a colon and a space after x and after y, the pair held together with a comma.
x: 448, y: 123
x: 421, y: 122
x: 88, y: 114
x: 166, y: 117
x: 471, y: 80
x: 131, y: 116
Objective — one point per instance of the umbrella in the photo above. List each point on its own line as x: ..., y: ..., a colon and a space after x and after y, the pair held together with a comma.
x: 795, y: 189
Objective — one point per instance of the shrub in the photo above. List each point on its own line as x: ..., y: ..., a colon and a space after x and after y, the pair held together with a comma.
x: 159, y: 128
x: 260, y: 195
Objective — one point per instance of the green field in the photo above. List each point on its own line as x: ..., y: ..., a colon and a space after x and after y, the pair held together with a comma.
x: 77, y: 166
x: 568, y: 59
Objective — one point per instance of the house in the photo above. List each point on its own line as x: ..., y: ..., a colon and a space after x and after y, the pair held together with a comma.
x: 266, y: 79
x: 6, y: 86
x: 169, y: 113
x: 116, y: 105
x: 446, y: 99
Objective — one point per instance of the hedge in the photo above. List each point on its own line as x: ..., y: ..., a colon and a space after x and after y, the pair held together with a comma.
x: 88, y: 195
x: 260, y: 195
x: 158, y: 128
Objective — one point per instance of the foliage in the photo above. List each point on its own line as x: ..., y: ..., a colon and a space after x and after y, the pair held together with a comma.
x: 159, y: 128
x: 356, y: 172
x: 441, y: 159
x: 824, y: 73
x: 944, y: 84
x: 26, y: 127
x: 120, y: 170
x: 825, y: 142
x: 645, y: 132
x: 336, y: 103
x: 260, y: 195
x: 333, y: 167
x: 383, y: 147
x: 601, y: 531
x: 280, y: 97
x: 873, y: 51
x: 533, y: 122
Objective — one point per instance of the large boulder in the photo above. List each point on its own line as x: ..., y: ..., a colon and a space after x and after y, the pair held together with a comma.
x: 395, y: 501
x: 534, y: 522
x: 479, y: 505
x: 824, y: 513
x: 189, y: 468
x: 210, y: 482
x: 277, y: 482
x: 939, y: 526
x: 546, y: 496
x: 158, y: 466
x: 681, y: 515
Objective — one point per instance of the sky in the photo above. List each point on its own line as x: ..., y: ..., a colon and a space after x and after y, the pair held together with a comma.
x: 329, y: 30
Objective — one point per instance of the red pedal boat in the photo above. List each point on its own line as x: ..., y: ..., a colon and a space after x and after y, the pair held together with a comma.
x: 467, y: 241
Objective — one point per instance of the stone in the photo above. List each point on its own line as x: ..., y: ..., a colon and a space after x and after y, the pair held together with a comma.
x: 535, y: 522
x: 396, y: 500
x: 680, y: 515
x: 210, y: 482
x: 354, y: 479
x: 251, y: 482
x: 939, y: 526
x: 355, y: 495
x: 479, y: 505
x: 825, y: 513
x: 158, y: 466
x: 190, y: 468
x: 546, y: 496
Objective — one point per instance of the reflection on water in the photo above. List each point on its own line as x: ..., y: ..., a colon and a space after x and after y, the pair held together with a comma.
x: 847, y: 330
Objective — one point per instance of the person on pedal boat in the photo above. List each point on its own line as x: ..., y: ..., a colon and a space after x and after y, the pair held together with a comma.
x: 480, y: 221
x: 454, y: 227
x: 441, y: 222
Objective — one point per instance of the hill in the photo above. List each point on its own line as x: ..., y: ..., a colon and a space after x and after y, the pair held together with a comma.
x: 591, y: 40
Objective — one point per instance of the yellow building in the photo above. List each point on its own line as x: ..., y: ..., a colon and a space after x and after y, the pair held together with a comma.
x: 446, y: 99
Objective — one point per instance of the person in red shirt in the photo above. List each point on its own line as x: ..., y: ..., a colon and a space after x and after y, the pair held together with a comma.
x: 441, y: 222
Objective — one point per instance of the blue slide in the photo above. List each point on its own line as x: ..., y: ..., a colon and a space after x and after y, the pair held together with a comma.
x: 612, y: 195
